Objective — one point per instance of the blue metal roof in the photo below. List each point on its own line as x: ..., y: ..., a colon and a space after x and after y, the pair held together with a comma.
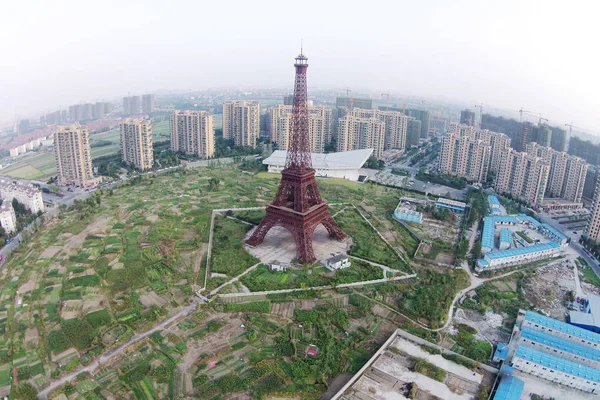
x: 561, y: 344
x: 559, y: 236
x: 494, y: 202
x: 510, y: 388
x: 501, y: 351
x: 562, y: 327
x: 505, y: 236
x: 489, y: 225
x: 531, y: 220
x: 521, y: 250
x: 557, y: 363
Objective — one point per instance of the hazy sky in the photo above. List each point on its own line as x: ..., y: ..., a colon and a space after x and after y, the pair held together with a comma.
x: 542, y: 55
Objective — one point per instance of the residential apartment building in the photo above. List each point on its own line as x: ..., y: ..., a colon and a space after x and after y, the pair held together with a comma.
x: 499, y: 142
x: 467, y: 117
x: 76, y: 113
x: 26, y: 194
x: 148, y: 103
x: 593, y: 228
x: 136, y: 143
x: 463, y: 155
x: 396, y: 125
x: 320, y: 119
x: 523, y: 176
x: 413, y: 132
x: 567, y: 173
x: 355, y: 133
x: 192, y: 133
x: 132, y: 105
x: 73, y: 155
x: 353, y: 102
x: 8, y: 219
x: 241, y: 122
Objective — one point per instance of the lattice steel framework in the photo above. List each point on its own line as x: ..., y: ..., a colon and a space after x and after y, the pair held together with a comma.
x: 298, y: 206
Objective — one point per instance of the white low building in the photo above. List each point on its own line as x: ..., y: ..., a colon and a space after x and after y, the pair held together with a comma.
x: 8, y: 219
x: 345, y: 164
x: 26, y: 194
x: 340, y: 261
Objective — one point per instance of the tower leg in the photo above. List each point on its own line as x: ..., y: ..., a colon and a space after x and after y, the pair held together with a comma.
x: 304, y: 246
x: 332, y: 228
x: 261, y: 230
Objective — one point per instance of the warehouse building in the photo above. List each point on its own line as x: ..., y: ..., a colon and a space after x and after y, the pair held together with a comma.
x: 517, y: 256
x: 495, y: 206
x: 541, y: 347
x: 587, y: 319
x: 452, y: 205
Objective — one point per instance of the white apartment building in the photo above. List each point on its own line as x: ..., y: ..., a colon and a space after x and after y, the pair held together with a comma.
x: 26, y: 194
x: 241, y: 122
x: 8, y: 219
x: 396, y: 126
x: 192, y: 132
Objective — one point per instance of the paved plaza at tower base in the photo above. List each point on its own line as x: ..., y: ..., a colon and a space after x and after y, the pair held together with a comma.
x: 279, y: 246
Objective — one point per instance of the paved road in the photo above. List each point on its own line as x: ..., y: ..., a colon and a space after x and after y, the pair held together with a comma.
x: 117, y: 351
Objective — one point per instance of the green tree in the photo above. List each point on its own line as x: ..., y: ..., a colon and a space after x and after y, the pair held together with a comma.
x: 25, y: 391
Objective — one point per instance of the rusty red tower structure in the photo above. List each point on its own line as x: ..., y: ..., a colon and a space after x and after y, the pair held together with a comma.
x: 298, y: 206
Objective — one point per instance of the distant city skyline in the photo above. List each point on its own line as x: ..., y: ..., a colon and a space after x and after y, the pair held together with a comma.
x: 471, y: 52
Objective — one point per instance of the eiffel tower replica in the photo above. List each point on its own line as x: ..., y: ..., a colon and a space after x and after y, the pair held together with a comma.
x: 298, y: 206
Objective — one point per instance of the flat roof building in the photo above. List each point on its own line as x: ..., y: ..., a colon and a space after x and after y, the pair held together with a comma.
x: 452, y: 205
x: 343, y: 165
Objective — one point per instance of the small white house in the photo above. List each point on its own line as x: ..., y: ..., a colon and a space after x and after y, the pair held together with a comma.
x: 276, y: 266
x: 340, y: 261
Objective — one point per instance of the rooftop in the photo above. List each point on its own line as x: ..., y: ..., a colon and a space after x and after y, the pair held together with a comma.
x: 522, y: 250
x: 493, y: 200
x: 561, y: 344
x: 337, y: 258
x: 341, y: 160
x: 510, y: 388
x: 557, y: 363
x: 505, y: 235
x: 559, y: 236
x: 451, y: 202
x: 6, y: 206
x: 562, y: 327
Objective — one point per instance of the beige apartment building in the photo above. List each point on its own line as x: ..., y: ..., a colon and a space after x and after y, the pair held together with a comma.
x: 497, y: 142
x: 241, y: 122
x: 356, y: 133
x: 319, y: 126
x: 464, y: 156
x: 567, y: 173
x: 73, y: 155
x: 523, y: 176
x: 396, y: 126
x: 593, y: 228
x: 136, y: 143
x: 192, y: 132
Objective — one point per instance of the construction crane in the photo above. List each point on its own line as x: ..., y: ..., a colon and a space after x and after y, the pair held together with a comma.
x: 540, y: 121
x: 521, y: 111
